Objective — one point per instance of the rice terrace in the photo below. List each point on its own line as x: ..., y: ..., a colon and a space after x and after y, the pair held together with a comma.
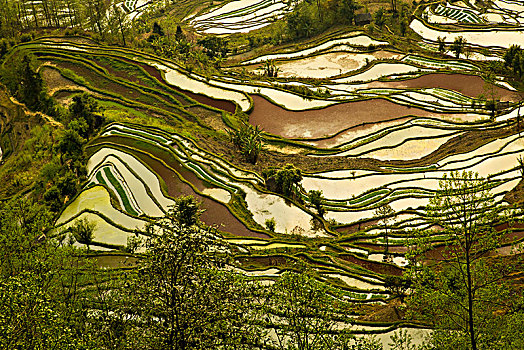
x: 262, y: 174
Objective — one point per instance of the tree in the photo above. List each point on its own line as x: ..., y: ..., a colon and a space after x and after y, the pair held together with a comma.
x: 181, y: 291
x: 383, y: 214
x: 83, y: 231
x: 248, y: 140
x: 394, y: 6
x: 458, y: 46
x: 24, y: 81
x: 404, y: 25
x: 214, y: 46
x: 510, y: 54
x: 84, y: 114
x: 299, y: 23
x: 40, y: 298
x: 315, y: 198
x: 179, y: 34
x: 284, y: 180
x: 346, y: 10
x: 118, y: 18
x: 398, y: 286
x: 461, y: 292
x: 302, y: 313
x: 70, y: 145
x: 270, y: 69
x: 379, y: 17
x: 441, y: 44
x: 490, y: 93
x: 157, y: 29
x: 270, y: 224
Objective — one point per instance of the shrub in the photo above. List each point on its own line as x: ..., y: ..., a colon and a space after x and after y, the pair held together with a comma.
x: 270, y: 224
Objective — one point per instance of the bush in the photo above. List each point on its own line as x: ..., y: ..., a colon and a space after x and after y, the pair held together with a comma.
x: 271, y: 224
x: 25, y: 38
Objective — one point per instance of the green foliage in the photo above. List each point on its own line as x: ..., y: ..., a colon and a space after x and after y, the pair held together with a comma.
x: 179, y: 35
x: 42, y: 306
x: 83, y: 231
x: 402, y: 340
x: 214, y: 46
x: 316, y: 199
x: 307, y: 92
x: 157, y: 29
x: 157, y: 34
x: 300, y: 23
x: 270, y: 70
x: 379, y: 17
x: 184, y: 297
x: 270, y: 224
x: 366, y: 343
x: 514, y: 60
x: 345, y: 10
x: 441, y: 44
x: 4, y: 47
x: 133, y: 243
x: 383, y: 214
x: 460, y: 291
x: 23, y: 80
x: 186, y: 211
x: 398, y: 286
x: 458, y: 46
x: 84, y: 117
x: 70, y: 144
x: 285, y: 180
x: 312, y: 17
x: 305, y: 313
x: 247, y: 138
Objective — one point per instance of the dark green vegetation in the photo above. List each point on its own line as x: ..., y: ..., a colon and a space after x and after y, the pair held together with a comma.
x: 83, y: 118
x: 464, y: 288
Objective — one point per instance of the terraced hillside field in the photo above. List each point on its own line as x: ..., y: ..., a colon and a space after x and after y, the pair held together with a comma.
x: 368, y: 124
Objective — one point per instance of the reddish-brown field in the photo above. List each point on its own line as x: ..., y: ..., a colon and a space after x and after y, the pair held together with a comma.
x: 469, y: 85
x: 330, y: 120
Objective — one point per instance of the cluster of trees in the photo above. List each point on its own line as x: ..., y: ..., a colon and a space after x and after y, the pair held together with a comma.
x: 285, y: 180
x: 183, y: 293
x: 24, y: 82
x: 463, y: 289
x: 58, y: 150
x: 61, y: 177
x: 42, y: 305
x: 106, y: 19
x: 397, y: 18
x: 210, y: 49
x: 514, y: 60
x: 313, y: 17
x: 458, y: 47
x: 270, y: 69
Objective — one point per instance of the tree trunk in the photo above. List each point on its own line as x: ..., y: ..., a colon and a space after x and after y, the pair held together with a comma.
x: 469, y: 287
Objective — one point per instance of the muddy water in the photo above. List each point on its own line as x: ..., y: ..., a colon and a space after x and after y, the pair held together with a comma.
x: 329, y: 120
x: 468, y: 85
x: 214, y: 214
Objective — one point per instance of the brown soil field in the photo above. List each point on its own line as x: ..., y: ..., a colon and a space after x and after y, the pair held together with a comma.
x: 469, y: 85
x: 328, y: 121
